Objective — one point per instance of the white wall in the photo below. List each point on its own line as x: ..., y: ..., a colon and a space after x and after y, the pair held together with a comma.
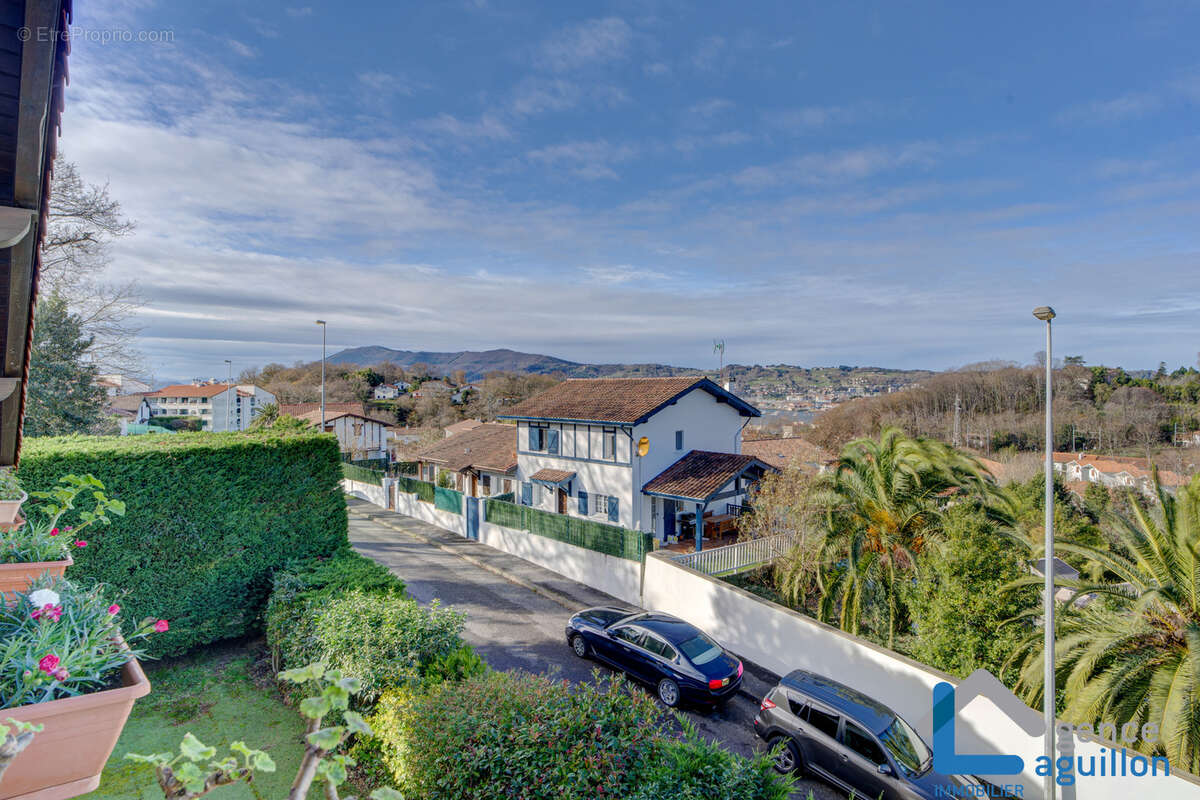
x: 366, y: 491
x: 409, y: 505
x: 619, y: 577
x: 782, y: 640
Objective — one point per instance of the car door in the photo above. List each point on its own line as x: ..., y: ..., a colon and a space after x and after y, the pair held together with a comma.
x: 661, y: 659
x: 629, y: 652
x: 819, y: 745
x: 859, y: 761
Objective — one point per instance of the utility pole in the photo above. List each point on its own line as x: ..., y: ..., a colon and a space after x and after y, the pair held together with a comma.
x: 321, y: 322
x: 957, y: 416
x: 229, y: 401
x: 1045, y: 313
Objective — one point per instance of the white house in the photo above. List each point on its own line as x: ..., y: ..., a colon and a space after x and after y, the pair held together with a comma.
x: 1115, y: 472
x: 359, y: 436
x: 386, y: 391
x: 642, y: 453
x: 481, y: 461
x: 119, y: 385
x: 220, y: 406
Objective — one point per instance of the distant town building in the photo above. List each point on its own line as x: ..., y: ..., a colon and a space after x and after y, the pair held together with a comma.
x: 359, y: 436
x: 481, y: 460
x: 220, y: 406
x: 1114, y: 472
x: 117, y: 385
x: 791, y: 451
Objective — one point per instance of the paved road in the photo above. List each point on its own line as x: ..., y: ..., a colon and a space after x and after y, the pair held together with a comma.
x: 517, y: 626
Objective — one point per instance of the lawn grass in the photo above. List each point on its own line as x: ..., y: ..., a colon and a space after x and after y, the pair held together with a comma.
x: 222, y: 694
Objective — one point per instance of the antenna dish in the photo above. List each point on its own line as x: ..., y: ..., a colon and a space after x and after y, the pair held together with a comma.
x: 643, y: 446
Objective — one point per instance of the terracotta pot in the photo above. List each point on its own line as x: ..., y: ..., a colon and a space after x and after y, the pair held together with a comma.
x: 10, y: 508
x: 18, y: 577
x: 65, y: 760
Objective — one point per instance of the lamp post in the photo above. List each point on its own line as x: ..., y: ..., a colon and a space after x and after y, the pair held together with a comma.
x: 229, y: 401
x: 321, y: 322
x: 1046, y: 313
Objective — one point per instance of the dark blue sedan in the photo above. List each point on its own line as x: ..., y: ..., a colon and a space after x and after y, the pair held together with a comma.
x: 677, y: 659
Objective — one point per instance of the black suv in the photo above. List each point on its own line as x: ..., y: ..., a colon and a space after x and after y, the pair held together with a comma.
x: 858, y: 744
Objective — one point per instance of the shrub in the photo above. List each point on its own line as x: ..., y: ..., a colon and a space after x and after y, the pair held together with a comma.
x: 505, y: 734
x: 209, y: 518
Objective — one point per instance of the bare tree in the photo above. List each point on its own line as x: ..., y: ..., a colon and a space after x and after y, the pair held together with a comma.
x: 83, y: 222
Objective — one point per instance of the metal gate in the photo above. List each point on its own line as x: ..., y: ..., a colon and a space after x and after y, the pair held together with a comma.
x: 472, y: 504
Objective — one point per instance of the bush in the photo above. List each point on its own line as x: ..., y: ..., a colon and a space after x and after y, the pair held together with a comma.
x: 503, y: 735
x: 209, y: 518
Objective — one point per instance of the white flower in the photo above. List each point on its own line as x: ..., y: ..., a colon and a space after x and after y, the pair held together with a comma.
x: 43, y: 597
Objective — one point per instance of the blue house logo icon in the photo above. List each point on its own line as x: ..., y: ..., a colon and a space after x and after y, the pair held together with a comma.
x: 947, y: 702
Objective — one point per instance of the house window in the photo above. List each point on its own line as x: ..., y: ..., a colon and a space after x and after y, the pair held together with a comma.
x: 614, y: 510
x: 583, y: 502
x: 610, y: 443
x: 507, y: 486
x: 358, y: 428
x: 526, y: 494
x: 678, y: 440
x: 486, y: 481
x: 543, y: 439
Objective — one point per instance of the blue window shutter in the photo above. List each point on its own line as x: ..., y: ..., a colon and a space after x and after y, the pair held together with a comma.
x: 678, y: 440
x: 526, y: 494
x: 552, y: 441
x: 613, y: 512
x: 583, y: 500
x: 535, y: 438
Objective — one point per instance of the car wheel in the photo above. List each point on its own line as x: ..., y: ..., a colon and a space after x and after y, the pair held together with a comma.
x: 668, y: 692
x: 787, y: 761
x: 580, y: 646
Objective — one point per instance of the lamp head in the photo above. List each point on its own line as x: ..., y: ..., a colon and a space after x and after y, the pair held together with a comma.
x: 1044, y: 313
x: 320, y: 322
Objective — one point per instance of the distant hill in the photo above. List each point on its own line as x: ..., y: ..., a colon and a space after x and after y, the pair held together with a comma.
x: 477, y: 363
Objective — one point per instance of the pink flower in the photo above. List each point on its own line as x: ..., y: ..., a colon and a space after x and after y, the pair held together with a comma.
x: 48, y: 664
x: 81, y: 543
x: 114, y: 609
x: 161, y: 626
x: 61, y: 674
x: 52, y: 612
x: 54, y: 531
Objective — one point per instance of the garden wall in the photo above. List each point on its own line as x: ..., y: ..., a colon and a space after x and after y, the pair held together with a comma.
x: 413, y: 506
x: 376, y: 495
x: 209, y: 518
x: 782, y: 640
x: 619, y: 577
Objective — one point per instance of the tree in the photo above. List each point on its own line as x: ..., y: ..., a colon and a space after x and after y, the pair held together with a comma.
x: 789, y: 502
x: 63, y: 395
x: 886, y: 501
x: 83, y: 222
x: 1132, y: 654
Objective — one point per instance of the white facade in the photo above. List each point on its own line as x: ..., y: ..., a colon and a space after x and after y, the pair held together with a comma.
x: 220, y: 407
x: 386, y: 391
x: 359, y: 437
x: 614, y: 470
x: 117, y: 385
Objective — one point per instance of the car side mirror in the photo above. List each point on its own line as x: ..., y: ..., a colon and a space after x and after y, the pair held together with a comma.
x: 884, y: 769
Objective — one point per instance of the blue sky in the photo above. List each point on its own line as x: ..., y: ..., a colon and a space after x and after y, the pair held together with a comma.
x: 818, y: 183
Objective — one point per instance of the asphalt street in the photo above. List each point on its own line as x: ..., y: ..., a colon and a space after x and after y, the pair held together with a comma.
x: 516, y: 612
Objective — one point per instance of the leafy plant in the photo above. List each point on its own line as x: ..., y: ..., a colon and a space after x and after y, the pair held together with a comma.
x: 10, y: 486
x: 44, y: 537
x: 195, y: 771
x: 59, y: 640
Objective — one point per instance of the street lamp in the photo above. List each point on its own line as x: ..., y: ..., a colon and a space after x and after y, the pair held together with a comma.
x: 1046, y: 313
x: 321, y: 322
x: 229, y: 401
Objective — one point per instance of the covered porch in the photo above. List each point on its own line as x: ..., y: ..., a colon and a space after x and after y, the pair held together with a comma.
x: 702, y: 495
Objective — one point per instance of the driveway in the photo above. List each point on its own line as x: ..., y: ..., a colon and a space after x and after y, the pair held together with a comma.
x: 517, y: 625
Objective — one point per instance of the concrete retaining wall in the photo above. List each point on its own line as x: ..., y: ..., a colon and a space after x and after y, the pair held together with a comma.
x: 619, y: 577
x: 782, y: 640
x: 366, y: 491
x: 409, y: 505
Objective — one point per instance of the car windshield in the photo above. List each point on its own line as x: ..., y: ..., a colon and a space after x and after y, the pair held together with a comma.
x: 700, y: 649
x: 906, y: 747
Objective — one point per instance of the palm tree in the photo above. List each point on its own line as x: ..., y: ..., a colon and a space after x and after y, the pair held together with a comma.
x: 886, y: 500
x: 1132, y: 653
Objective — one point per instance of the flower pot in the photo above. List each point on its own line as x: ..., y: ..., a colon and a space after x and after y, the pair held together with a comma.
x: 10, y: 508
x: 65, y: 760
x: 18, y: 577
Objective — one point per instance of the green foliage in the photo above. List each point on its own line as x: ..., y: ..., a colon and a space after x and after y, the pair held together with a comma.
x: 57, y: 640
x: 41, y: 538
x: 210, y: 517
x: 424, y: 490
x: 354, y: 472
x: 179, y: 423
x: 195, y: 769
x: 958, y: 603
x: 10, y: 486
x: 503, y: 735
x: 443, y: 480
x: 63, y: 395
x: 609, y: 539
x: 457, y: 665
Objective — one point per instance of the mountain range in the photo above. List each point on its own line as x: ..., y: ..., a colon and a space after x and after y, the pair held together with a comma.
x: 477, y: 363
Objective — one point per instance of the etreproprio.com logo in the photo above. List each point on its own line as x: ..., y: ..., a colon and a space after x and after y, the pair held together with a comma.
x: 1111, y: 762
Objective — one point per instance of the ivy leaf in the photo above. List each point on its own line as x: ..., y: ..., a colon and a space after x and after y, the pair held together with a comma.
x: 326, y: 739
x: 312, y: 672
x: 314, y: 707
x: 333, y: 771
x: 357, y: 724
x: 386, y: 794
x: 261, y: 762
x: 338, y: 697
x: 157, y: 759
x: 191, y: 777
x: 194, y: 750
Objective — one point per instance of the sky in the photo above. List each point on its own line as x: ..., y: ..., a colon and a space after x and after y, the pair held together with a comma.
x: 814, y: 183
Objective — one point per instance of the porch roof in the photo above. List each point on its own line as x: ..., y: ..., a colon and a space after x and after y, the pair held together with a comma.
x: 701, y: 475
x: 553, y: 477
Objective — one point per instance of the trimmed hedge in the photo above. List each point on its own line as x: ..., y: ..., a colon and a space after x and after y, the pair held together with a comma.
x: 609, y: 539
x: 424, y: 490
x: 356, y: 472
x: 448, y: 500
x: 210, y: 517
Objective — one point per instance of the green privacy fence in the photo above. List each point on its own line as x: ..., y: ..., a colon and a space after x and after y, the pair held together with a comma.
x: 355, y: 472
x: 596, y: 536
x: 507, y: 497
x: 424, y: 490
x: 448, y: 500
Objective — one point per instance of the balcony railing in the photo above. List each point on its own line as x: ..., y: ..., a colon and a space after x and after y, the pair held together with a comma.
x: 740, y: 557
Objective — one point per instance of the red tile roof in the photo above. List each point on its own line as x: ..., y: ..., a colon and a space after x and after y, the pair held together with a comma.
x: 552, y: 475
x: 1114, y: 465
x: 298, y: 409
x: 491, y: 446
x: 191, y: 390
x: 619, y: 400
x: 781, y: 453
x: 701, y: 474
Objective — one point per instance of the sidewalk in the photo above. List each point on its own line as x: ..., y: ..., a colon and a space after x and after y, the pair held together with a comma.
x: 569, y: 594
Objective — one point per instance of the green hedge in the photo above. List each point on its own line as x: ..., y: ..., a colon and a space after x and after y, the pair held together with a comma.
x: 448, y: 500
x: 210, y: 517
x: 609, y: 539
x: 356, y: 472
x: 424, y: 490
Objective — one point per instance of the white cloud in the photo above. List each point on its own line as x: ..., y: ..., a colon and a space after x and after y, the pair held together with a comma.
x: 595, y: 41
x: 485, y: 127
x: 242, y: 49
